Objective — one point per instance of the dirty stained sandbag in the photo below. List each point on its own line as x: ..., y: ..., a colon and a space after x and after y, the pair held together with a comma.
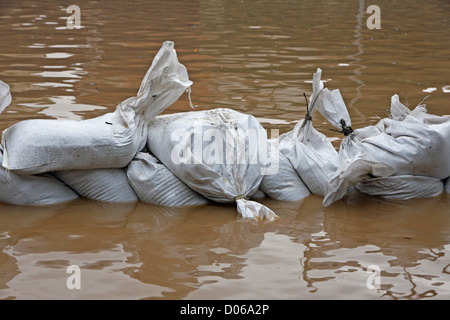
x: 42, y: 189
x: 109, y: 185
x: 108, y: 141
x: 401, y: 187
x: 309, y: 151
x: 285, y: 184
x: 407, y: 143
x: 218, y: 153
x: 154, y: 183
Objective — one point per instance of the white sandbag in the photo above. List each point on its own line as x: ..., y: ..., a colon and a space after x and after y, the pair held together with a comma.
x: 42, y: 189
x: 258, y: 196
x: 285, y: 185
x: 5, y: 96
x: 349, y: 173
x: 108, y: 141
x: 332, y: 106
x: 409, y: 143
x: 402, y: 187
x: 154, y: 183
x: 109, y: 185
x: 310, y: 152
x: 218, y: 153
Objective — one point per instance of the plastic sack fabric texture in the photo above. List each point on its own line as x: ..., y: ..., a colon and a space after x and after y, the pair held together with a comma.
x: 108, y: 141
x: 154, y: 183
x: 109, y: 185
x: 407, y: 143
x: 310, y: 152
x: 5, y: 96
x: 285, y: 184
x: 402, y: 187
x: 42, y: 189
x: 258, y: 195
x: 219, y: 153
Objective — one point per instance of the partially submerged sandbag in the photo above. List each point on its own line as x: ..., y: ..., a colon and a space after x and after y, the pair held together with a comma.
x: 349, y: 173
x: 154, y: 183
x: 285, y: 184
x: 220, y: 153
x: 258, y: 195
x: 310, y: 152
x: 42, y: 189
x: 109, y: 185
x: 108, y: 141
x: 408, y: 143
x: 402, y: 187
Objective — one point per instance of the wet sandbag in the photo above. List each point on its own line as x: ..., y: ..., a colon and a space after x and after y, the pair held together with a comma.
x: 5, y: 96
x: 219, y: 153
x: 285, y: 184
x: 154, y: 183
x: 108, y: 141
x: 309, y: 151
x: 311, y: 154
x: 258, y: 195
x: 418, y: 144
x: 42, y: 189
x: 401, y: 187
x: 109, y: 185
x: 407, y: 143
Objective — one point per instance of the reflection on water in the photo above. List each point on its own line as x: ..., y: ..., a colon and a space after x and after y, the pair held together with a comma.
x: 252, y: 56
x: 143, y: 251
x: 63, y: 107
x: 357, y: 70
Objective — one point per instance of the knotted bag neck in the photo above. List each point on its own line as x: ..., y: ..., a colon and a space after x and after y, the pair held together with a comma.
x: 241, y: 198
x: 346, y: 130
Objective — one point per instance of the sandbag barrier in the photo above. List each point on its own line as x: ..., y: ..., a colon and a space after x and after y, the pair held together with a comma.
x: 219, y: 155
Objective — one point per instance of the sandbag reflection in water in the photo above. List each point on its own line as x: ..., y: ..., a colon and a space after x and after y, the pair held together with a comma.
x: 391, y: 234
x: 47, y: 240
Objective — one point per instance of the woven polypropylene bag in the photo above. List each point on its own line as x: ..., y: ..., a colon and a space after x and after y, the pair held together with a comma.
x: 154, y: 183
x: 407, y: 143
x: 42, y: 189
x: 109, y: 185
x: 218, y: 153
x: 285, y: 184
x: 108, y: 141
x: 402, y: 187
x: 309, y: 151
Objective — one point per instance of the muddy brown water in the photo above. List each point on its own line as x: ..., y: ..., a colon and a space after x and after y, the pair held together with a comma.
x: 254, y: 57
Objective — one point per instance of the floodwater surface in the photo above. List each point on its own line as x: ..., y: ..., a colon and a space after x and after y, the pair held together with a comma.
x: 256, y: 57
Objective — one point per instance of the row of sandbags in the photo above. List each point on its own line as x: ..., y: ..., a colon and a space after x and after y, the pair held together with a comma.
x: 220, y: 154
x: 404, y: 156
x: 105, y: 159
x: 51, y: 161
